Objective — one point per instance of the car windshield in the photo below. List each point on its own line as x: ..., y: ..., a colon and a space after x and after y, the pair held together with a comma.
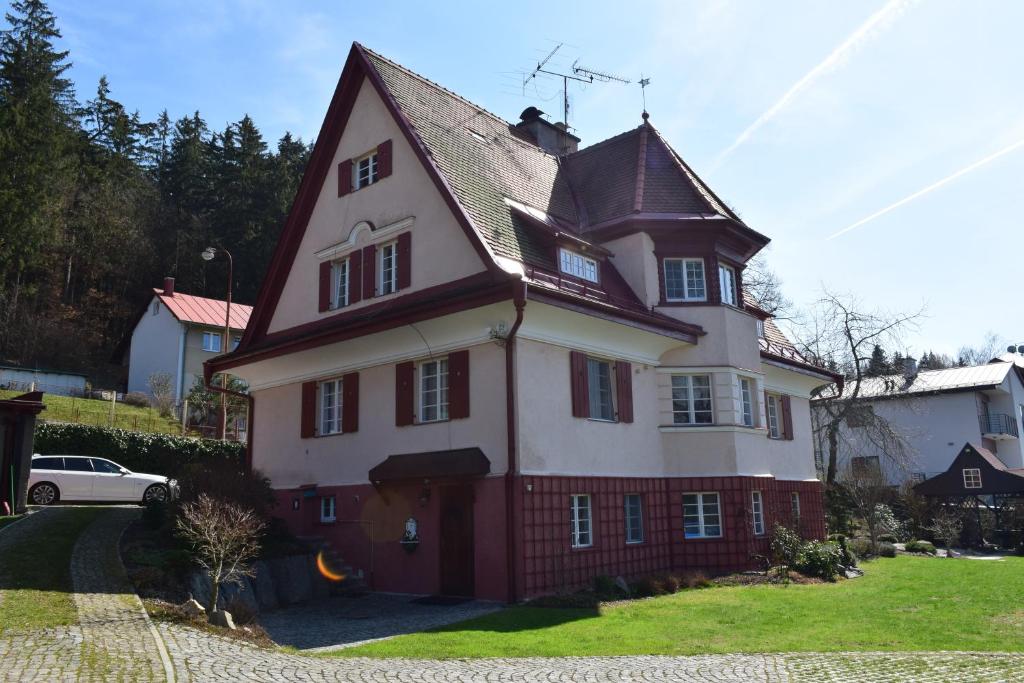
x: 105, y: 466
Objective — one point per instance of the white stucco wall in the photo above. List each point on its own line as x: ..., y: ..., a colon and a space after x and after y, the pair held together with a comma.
x: 156, y: 347
x: 441, y: 251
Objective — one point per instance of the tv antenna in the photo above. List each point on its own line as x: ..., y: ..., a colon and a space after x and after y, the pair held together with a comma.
x: 580, y: 74
x: 644, y: 82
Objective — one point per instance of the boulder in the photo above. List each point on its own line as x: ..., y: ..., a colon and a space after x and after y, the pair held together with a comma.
x: 263, y: 583
x: 240, y: 592
x: 200, y: 587
x: 291, y: 579
x: 192, y: 609
x: 223, y: 619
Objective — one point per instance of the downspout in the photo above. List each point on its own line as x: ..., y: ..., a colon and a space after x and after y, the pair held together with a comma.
x: 250, y: 411
x: 519, y: 299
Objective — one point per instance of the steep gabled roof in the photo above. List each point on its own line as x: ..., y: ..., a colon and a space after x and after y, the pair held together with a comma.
x: 203, y: 311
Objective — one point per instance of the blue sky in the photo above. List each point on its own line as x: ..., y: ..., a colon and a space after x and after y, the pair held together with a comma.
x: 807, y: 117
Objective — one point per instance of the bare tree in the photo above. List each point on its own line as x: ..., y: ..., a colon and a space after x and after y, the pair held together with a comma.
x: 161, y: 385
x: 224, y: 537
x: 869, y: 494
x: 838, y: 333
x: 989, y: 348
x: 946, y: 527
x: 765, y: 287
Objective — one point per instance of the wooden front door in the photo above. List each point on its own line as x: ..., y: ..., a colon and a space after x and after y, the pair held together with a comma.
x: 457, y: 540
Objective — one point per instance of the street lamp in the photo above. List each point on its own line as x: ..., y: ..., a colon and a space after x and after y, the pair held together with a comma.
x: 209, y: 254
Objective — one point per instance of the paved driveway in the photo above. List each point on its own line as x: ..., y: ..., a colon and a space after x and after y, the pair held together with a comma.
x: 115, y: 641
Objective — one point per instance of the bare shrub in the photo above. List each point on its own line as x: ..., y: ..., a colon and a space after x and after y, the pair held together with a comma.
x: 161, y: 385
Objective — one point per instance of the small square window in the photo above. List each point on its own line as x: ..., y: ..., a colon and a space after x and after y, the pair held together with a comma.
x: 327, y: 510
x: 691, y: 400
x: 972, y: 478
x: 634, y: 518
x: 364, y: 171
x: 684, y: 279
x: 578, y: 265
x: 599, y: 384
x: 434, y: 390
x: 702, y: 515
x: 581, y: 533
x: 212, y: 341
x: 388, y: 267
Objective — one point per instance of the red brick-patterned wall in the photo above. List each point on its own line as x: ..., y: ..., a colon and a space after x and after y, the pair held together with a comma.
x: 548, y: 563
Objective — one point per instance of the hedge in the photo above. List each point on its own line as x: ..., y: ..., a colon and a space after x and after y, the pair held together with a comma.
x: 140, y: 452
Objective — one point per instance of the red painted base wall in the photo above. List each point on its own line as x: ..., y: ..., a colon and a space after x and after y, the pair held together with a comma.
x: 370, y: 522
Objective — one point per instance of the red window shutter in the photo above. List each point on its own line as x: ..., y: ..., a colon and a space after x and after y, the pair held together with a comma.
x: 370, y: 271
x: 325, y: 286
x: 384, y: 159
x: 350, y: 402
x: 405, y: 410
x: 344, y: 177
x: 355, y: 276
x: 458, y: 385
x: 404, y: 254
x: 787, y: 419
x: 580, y: 391
x: 308, y: 427
x: 624, y: 390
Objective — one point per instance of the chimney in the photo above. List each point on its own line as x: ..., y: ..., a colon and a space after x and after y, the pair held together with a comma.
x: 168, y: 286
x: 909, y: 368
x: 552, y: 137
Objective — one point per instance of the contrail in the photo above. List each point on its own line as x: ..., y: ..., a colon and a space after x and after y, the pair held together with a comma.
x: 933, y: 186
x: 864, y: 33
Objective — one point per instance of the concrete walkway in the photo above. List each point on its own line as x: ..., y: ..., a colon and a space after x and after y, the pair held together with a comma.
x: 116, y: 642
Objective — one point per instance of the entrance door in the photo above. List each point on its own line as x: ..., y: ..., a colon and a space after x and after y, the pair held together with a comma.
x: 457, y: 541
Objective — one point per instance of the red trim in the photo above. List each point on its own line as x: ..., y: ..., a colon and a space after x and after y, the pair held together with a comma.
x: 624, y: 390
x: 344, y: 177
x: 404, y: 256
x: 307, y: 426
x: 355, y: 277
x: 458, y: 384
x: 350, y: 402
x: 405, y: 394
x: 787, y: 418
x: 370, y: 271
x: 384, y: 159
x: 578, y: 382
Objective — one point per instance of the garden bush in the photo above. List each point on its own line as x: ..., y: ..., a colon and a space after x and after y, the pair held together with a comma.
x: 786, y: 546
x: 151, y: 453
x: 887, y: 538
x: 920, y: 547
x: 886, y: 550
x: 822, y: 560
x: 696, y: 580
x: 672, y: 583
x: 861, y: 547
x: 648, y: 587
x: 846, y: 556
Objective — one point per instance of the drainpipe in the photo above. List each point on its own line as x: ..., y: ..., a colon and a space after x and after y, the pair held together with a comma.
x: 519, y: 299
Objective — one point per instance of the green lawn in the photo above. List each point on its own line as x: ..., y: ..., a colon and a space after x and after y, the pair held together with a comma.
x: 94, y: 412
x: 906, y: 603
x: 35, y: 574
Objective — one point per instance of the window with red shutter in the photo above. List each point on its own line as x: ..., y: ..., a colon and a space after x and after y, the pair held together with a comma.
x: 787, y: 419
x: 405, y: 395
x: 325, y: 286
x: 624, y: 390
x: 578, y: 384
x: 384, y: 159
x: 458, y: 385
x: 344, y: 177
x: 307, y: 427
x: 370, y: 271
x: 355, y: 277
x: 350, y: 402
x: 404, y: 260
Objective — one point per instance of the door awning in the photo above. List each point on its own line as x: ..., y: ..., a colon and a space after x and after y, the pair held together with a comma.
x: 451, y: 464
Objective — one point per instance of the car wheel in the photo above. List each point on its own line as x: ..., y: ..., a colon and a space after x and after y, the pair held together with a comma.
x: 44, y: 493
x: 156, y: 493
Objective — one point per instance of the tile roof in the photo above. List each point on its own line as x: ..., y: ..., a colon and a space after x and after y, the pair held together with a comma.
x: 203, y: 311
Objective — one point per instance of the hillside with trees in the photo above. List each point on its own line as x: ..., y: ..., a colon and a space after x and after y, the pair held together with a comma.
x: 97, y: 204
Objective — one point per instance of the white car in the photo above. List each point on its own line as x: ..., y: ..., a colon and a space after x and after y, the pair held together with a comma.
x: 81, y: 478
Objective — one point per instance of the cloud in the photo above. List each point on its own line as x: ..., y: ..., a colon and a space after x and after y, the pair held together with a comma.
x: 865, y: 33
x: 934, y: 186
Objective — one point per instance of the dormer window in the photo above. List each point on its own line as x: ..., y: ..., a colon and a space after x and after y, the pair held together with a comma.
x: 727, y: 284
x: 364, y: 171
x: 578, y: 265
x: 684, y: 279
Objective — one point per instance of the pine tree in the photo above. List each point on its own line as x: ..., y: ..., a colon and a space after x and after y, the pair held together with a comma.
x: 896, y: 363
x: 877, y: 364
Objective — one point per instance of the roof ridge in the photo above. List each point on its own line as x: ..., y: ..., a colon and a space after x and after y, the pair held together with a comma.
x: 160, y: 292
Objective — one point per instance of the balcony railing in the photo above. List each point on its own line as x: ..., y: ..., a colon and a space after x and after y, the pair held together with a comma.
x: 998, y: 426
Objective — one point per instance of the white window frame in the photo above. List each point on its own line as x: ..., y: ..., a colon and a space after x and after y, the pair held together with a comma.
x: 701, y: 515
x: 329, y: 416
x: 436, y: 398
x: 341, y: 273
x: 691, y: 412
x: 727, y: 284
x: 972, y: 477
x: 757, y: 512
x: 634, y: 519
x: 387, y: 268
x: 746, y: 401
x: 328, y: 509
x: 773, y: 413
x: 690, y: 291
x: 760, y: 329
x: 581, y: 530
x: 209, y: 337
x: 794, y: 505
x: 365, y: 171
x: 595, y: 391
x: 235, y: 341
x: 576, y: 264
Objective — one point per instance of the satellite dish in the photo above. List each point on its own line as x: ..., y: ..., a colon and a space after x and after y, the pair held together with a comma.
x: 1020, y: 348
x: 1011, y: 348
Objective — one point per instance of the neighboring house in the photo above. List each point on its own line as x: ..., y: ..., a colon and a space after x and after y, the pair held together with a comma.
x: 176, y: 334
x: 58, y: 382
x: 936, y: 412
x: 485, y: 363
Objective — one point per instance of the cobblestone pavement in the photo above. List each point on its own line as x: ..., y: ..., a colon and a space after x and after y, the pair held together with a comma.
x: 345, y: 622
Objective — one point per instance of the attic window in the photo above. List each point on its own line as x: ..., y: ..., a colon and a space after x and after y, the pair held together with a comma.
x: 760, y: 329
x: 479, y: 136
x: 364, y: 171
x: 577, y: 265
x: 972, y: 478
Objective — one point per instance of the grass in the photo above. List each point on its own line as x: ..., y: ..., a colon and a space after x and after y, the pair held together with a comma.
x: 95, y: 412
x: 35, y: 573
x: 902, y: 604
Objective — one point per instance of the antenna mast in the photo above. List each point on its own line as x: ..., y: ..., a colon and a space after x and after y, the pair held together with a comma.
x: 579, y: 74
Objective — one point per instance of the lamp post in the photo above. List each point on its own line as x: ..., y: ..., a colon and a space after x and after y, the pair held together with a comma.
x: 209, y: 254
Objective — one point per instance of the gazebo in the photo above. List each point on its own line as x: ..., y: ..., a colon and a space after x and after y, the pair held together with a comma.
x: 17, y: 423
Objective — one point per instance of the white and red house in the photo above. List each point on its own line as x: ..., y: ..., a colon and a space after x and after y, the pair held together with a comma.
x: 487, y: 363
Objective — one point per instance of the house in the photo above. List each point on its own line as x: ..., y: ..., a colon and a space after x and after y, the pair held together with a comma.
x: 486, y: 362
x: 176, y: 334
x: 935, y: 412
x: 59, y: 382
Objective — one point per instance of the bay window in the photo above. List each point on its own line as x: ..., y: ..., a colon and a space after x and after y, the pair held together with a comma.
x: 691, y: 399
x: 684, y: 279
x: 727, y: 284
x: 746, y: 402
